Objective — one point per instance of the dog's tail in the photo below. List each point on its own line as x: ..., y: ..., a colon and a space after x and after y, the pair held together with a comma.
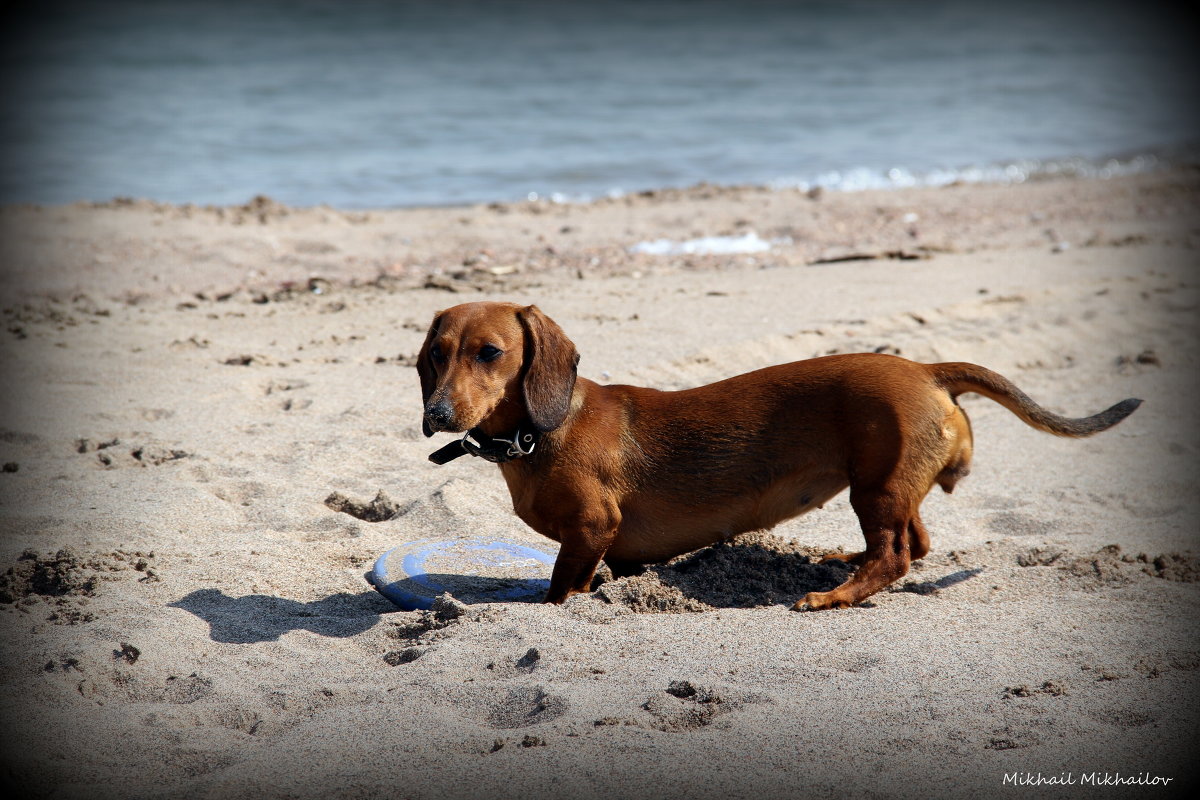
x: 959, y: 377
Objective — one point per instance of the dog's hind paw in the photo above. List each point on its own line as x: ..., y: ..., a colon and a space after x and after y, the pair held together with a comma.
x: 849, y: 558
x: 820, y: 601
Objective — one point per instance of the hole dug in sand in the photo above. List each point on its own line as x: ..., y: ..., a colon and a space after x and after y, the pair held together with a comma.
x: 756, y: 569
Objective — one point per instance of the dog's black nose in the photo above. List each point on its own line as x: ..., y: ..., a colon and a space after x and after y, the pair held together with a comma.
x: 439, y: 415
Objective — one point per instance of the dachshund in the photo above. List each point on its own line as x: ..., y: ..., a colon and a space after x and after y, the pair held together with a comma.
x: 636, y: 476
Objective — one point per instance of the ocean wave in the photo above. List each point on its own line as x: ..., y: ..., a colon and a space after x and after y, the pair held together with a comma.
x: 1019, y: 171
x: 855, y: 179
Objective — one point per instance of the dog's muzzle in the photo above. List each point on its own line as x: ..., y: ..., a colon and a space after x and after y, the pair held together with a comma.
x: 439, y: 416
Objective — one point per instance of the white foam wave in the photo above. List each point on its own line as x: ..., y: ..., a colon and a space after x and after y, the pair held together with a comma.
x: 1010, y: 172
x: 749, y: 242
x: 861, y: 178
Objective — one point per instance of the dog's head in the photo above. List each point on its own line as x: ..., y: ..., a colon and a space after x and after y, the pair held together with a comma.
x: 481, y: 359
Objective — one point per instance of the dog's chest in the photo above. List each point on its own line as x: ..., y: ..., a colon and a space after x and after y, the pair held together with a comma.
x: 532, y: 501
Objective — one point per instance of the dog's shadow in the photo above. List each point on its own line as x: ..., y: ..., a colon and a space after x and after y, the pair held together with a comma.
x: 264, y: 618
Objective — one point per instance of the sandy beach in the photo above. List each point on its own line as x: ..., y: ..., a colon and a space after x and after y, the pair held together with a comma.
x: 184, y: 616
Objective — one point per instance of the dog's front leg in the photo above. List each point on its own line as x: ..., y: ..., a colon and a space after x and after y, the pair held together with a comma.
x: 583, y: 546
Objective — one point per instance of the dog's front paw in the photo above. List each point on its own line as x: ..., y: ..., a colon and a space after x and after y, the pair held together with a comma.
x: 557, y: 598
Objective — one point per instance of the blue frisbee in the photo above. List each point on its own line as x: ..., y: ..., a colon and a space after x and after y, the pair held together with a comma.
x: 474, y: 570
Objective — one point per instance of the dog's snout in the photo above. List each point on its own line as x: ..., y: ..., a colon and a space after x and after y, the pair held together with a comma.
x: 439, y: 415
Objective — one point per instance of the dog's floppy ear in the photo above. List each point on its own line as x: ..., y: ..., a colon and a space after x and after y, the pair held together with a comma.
x: 550, y: 362
x: 425, y: 370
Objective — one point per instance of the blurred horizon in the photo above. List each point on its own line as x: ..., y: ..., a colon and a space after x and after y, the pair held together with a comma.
x: 386, y: 104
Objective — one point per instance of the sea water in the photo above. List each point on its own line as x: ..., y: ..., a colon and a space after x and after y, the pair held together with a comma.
x: 381, y: 104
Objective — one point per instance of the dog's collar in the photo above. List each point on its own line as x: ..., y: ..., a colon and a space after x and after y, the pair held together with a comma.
x: 490, y: 448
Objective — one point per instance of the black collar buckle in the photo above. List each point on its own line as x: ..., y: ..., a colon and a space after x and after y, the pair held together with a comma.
x: 496, y: 449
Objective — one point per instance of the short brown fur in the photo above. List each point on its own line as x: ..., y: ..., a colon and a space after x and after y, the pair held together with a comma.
x: 635, y: 476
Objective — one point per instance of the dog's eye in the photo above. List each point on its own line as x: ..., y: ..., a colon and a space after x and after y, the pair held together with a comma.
x: 489, y: 353
x: 435, y: 353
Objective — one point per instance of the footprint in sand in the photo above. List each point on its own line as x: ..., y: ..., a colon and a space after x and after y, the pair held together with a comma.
x: 684, y: 706
x: 1012, y: 523
x: 117, y: 453
x: 529, y: 705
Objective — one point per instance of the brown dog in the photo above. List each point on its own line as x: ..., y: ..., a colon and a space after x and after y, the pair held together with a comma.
x: 635, y: 476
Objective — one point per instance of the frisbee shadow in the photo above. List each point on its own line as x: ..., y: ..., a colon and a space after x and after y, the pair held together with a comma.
x: 414, y: 593
x: 472, y: 570
x: 265, y: 618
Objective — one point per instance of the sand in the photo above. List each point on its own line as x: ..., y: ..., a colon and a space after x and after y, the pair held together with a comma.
x: 203, y: 406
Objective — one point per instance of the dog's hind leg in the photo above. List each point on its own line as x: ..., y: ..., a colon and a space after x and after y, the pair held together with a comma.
x: 887, y: 521
x: 918, y: 546
x: 849, y: 558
